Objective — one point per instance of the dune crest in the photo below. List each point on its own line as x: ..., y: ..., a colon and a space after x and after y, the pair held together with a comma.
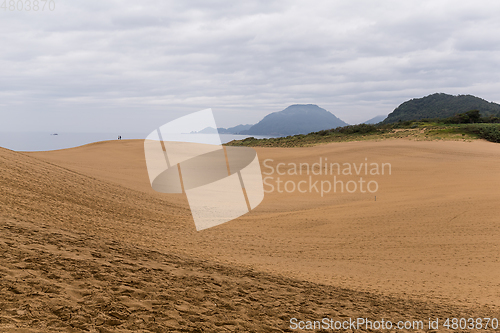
x: 433, y: 230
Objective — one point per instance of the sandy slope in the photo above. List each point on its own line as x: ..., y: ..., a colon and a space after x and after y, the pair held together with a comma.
x: 54, y: 280
x: 433, y: 229
x: 432, y: 234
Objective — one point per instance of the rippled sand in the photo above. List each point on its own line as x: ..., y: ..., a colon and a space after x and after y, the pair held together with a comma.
x: 87, y: 244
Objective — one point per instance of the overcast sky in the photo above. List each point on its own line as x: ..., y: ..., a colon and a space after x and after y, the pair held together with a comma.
x: 108, y: 66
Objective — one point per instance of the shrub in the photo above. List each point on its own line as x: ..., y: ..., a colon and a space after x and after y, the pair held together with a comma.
x: 487, y: 132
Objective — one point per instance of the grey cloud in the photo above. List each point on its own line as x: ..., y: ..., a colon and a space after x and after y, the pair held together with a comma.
x: 156, y: 60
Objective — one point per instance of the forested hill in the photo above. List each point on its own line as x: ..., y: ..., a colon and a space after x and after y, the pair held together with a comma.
x: 441, y: 106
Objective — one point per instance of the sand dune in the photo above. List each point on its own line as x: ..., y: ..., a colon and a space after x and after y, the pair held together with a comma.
x: 432, y: 235
x: 53, y: 280
x: 433, y: 227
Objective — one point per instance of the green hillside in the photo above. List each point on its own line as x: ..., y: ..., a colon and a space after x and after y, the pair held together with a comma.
x: 441, y: 106
x: 462, y: 127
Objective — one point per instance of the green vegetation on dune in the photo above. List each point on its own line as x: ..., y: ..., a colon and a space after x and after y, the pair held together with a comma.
x: 462, y: 127
x: 490, y: 132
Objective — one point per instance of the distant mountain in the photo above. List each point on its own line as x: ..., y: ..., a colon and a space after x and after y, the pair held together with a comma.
x: 234, y: 130
x: 441, y: 106
x: 295, y: 119
x: 221, y: 130
x: 375, y: 120
x: 206, y: 130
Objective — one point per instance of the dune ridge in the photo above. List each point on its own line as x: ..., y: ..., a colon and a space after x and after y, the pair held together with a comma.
x: 74, y: 212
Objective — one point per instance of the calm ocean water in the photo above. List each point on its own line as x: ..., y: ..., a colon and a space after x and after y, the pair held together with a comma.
x: 46, y: 141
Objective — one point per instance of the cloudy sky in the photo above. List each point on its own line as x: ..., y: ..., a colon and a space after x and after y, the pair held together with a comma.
x: 107, y: 66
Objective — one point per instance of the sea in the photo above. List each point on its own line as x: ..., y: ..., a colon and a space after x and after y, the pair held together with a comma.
x: 35, y: 141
